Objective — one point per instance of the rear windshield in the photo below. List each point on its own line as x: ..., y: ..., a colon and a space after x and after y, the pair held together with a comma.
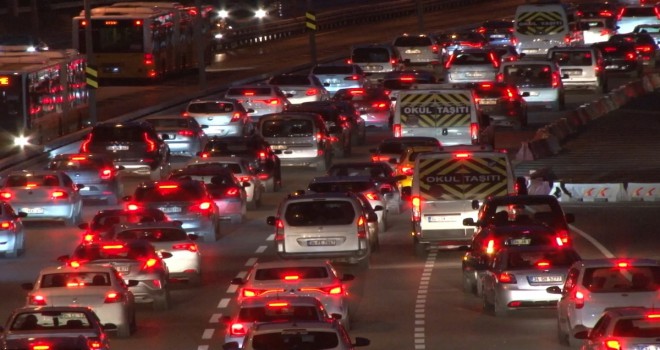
x: 106, y: 222
x: 573, y: 58
x: 639, y: 12
x: 372, y: 54
x: 74, y: 163
x: 522, y: 74
x: 210, y: 107
x: 642, y: 327
x: 279, y: 312
x: 413, y: 41
x: 466, y: 59
x: 180, y: 193
x: 319, y: 213
x: 333, y: 70
x: 113, y: 134
x: 617, y: 280
x: 346, y: 186
x: 281, y: 273
x: 290, y: 80
x: 75, y: 279
x: 532, y: 259
x: 295, y: 339
x: 47, y: 321
x: 254, y: 91
x: 32, y: 181
x: 154, y: 234
x: 287, y: 128
x: 112, y: 251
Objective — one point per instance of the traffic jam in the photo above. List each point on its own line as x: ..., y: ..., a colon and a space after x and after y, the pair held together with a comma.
x: 398, y: 138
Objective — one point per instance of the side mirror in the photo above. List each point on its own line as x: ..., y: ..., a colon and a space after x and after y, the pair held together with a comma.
x: 474, y: 204
x: 347, y: 277
x: 406, y: 191
x: 21, y: 214
x: 80, y: 186
x: 289, y: 95
x: 525, y: 94
x: 232, y: 345
x: 63, y: 258
x: 165, y: 255
x: 271, y: 220
x: 570, y: 218
x: 553, y: 290
x: 469, y: 222
x: 178, y: 223
x: 193, y: 236
x: 27, y: 286
x: 237, y: 281
x: 83, y: 226
x: 132, y: 283
x: 360, y: 341
x: 109, y: 327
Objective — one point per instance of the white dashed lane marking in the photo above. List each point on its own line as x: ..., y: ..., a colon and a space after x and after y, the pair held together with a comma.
x: 215, y: 318
x: 270, y: 237
x: 261, y: 249
x: 419, y: 336
x: 251, y: 261
x: 232, y: 289
x: 203, y: 347
x: 223, y: 303
x: 208, y: 333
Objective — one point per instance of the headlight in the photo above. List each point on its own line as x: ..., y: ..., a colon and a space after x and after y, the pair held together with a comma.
x: 21, y: 141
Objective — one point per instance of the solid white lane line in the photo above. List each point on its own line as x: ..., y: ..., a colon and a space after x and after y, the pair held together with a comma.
x: 593, y: 241
x: 203, y: 347
x: 215, y: 318
x: 251, y: 261
x: 208, y: 333
x: 223, y: 303
x: 261, y: 249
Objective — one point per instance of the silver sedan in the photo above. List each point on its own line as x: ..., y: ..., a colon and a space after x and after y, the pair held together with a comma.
x: 184, y: 136
x: 12, y: 233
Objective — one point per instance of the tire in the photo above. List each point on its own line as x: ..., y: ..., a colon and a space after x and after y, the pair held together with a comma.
x: 376, y: 246
x: 162, y: 302
x: 74, y: 220
x: 124, y: 331
x: 500, y: 310
x: 559, y: 105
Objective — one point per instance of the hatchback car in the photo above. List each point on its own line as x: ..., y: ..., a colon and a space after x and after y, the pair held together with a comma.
x: 373, y: 104
x: 580, y: 67
x: 300, y: 88
x: 105, y: 220
x: 184, y: 135
x: 299, y: 335
x: 274, y: 309
x: 471, y: 65
x: 375, y: 60
x: 517, y: 278
x: 220, y: 117
x: 594, y: 285
x: 502, y: 103
x: 335, y: 76
x: 631, y: 16
x: 261, y: 99
x: 298, y: 139
x: 135, y: 260
x: 497, y: 32
x: 43, y: 195
x: 134, y: 145
x: 462, y: 40
x: 100, y: 288
x: 167, y: 236
x: 621, y: 57
x: 97, y: 173
x: 57, y: 327
x: 383, y: 176
x: 325, y: 225
x: 541, y: 80
x: 309, y: 278
x: 418, y: 50
x: 624, y: 328
x: 245, y: 172
x: 341, y: 132
x: 349, y: 117
x: 227, y: 191
x: 12, y: 232
x: 183, y: 200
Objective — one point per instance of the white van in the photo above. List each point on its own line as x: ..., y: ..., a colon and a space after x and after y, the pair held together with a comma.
x: 540, y: 26
x: 449, y: 115
x: 448, y: 187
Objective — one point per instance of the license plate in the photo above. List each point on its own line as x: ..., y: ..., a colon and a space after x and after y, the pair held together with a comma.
x: 497, y: 36
x: 321, y: 242
x: 612, y: 67
x: 170, y: 209
x: 649, y: 347
x: 528, y: 51
x: 520, y: 241
x: 572, y: 72
x: 533, y: 93
x: 474, y: 74
x: 374, y: 67
x: 543, y: 279
x: 117, y: 148
x: 411, y: 51
x: 278, y: 147
x: 122, y: 268
x: 33, y: 210
x: 440, y: 218
x: 488, y: 102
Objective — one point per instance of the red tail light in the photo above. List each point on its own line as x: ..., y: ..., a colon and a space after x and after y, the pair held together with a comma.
x: 7, y: 225
x: 416, y: 208
x: 236, y: 117
x: 435, y: 49
x: 579, y: 299
x: 612, y: 344
x: 563, y: 236
x: 494, y: 60
x: 88, y: 237
x: 567, y: 39
x: 332, y: 290
x: 151, y: 144
x: 132, y: 207
x: 204, y: 155
x: 406, y: 170
x: 204, y: 207
x: 556, y: 80
x: 249, y: 293
x: 279, y: 231
x: 233, y: 192
x: 319, y: 136
x: 499, y: 77
x: 59, y: 195
x: 657, y: 12
x: 185, y: 114
x: 397, y: 130
x: 186, y: 133
x: 379, y: 158
x: 605, y: 32
x: 37, y: 299
x: 84, y: 146
x: 291, y: 277
x: 507, y: 278
x: 6, y: 195
x: 393, y: 61
x: 510, y: 94
x: 357, y: 92
x: 94, y: 344
x: 349, y: 61
x: 474, y: 132
x: 449, y: 61
x: 263, y: 155
x: 106, y: 173
x: 481, y: 30
x: 381, y: 106
x: 245, y: 178
x: 362, y: 227
x: 312, y: 92
x: 148, y: 59
x: 372, y: 196
x: 631, y: 56
x: 620, y: 14
x: 192, y: 247
x: 113, y: 297
x: 149, y: 263
x: 353, y: 77
x: 237, y: 329
x: 490, y: 247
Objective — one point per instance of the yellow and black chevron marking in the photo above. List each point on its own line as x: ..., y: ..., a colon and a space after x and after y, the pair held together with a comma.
x: 459, y: 179
x: 436, y: 110
x: 540, y: 23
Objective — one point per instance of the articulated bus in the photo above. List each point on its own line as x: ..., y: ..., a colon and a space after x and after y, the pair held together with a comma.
x: 143, y: 40
x: 41, y: 96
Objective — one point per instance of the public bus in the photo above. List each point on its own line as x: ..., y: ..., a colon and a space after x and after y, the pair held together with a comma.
x: 42, y: 96
x: 143, y: 40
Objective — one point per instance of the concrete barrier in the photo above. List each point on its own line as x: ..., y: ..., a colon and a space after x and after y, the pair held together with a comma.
x: 608, y: 192
x: 647, y: 192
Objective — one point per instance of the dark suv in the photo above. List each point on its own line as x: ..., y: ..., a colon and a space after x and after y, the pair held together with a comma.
x: 133, y: 145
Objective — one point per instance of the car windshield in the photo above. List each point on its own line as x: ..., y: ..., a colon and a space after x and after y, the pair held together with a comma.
x: 51, y: 320
x: 372, y: 54
x: 321, y: 70
x: 642, y: 327
x: 295, y: 339
x: 541, y: 258
x: 466, y: 59
x: 528, y: 74
x: 279, y: 311
x: 573, y: 58
x: 413, y: 41
x: 298, y: 273
x: 648, y: 29
x: 31, y: 181
x: 290, y: 80
x: 507, y: 213
x: 622, y: 279
x: 153, y: 234
x: 319, y: 213
x: 210, y: 107
x: 75, y: 279
x: 287, y: 128
x: 167, y: 193
x: 170, y: 122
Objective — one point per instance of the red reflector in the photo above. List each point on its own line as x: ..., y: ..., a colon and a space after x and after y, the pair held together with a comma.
x: 185, y: 246
x: 543, y: 264
x: 462, y: 155
x: 188, y: 133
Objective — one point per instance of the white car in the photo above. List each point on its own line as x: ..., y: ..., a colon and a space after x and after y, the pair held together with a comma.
x: 313, y: 278
x: 300, y: 88
x: 244, y: 171
x: 99, y: 287
x: 592, y: 286
x: 624, y: 328
x: 167, y: 236
x: 541, y: 80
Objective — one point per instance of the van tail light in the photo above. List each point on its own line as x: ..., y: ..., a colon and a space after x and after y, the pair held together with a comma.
x: 113, y: 297
x: 406, y: 170
x: 416, y: 202
x: 507, y: 278
x: 93, y: 343
x: 279, y: 231
x: 612, y: 344
x: 312, y: 92
x: 362, y: 228
x: 435, y: 49
x: 237, y: 329
x: 499, y: 77
x: 84, y: 146
x: 186, y: 133
x: 6, y: 195
x: 490, y: 247
x: 657, y: 12
x: 189, y: 246
x: 396, y: 128
x: 556, y: 80
x: 494, y: 60
x: 148, y: 59
x: 59, y: 195
x: 579, y: 299
x: 106, y: 173
x: 235, y: 117
x: 151, y: 144
x: 620, y: 14
x: 36, y: 299
x: 449, y: 61
x: 7, y: 225
x: 474, y: 132
x: 233, y: 192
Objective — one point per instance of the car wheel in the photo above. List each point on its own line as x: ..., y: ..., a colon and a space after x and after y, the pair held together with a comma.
x: 216, y: 231
x: 75, y: 219
x: 376, y: 245
x: 162, y: 301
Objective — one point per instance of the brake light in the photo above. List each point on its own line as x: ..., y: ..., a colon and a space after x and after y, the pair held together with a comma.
x: 490, y: 247
x: 185, y: 114
x: 332, y: 290
x: 372, y: 196
x: 40, y: 347
x: 74, y: 263
x: 5, y: 195
x: 435, y: 49
x: 168, y: 187
x: 191, y: 247
x: 37, y: 300
x: 396, y: 128
x: 106, y: 173
x: 84, y: 147
x: 605, y: 32
x: 379, y: 158
x: 148, y: 59
x: 567, y: 39
x: 494, y: 60
x: 622, y: 264
x: 312, y: 92
x: 186, y: 133
x: 112, y: 246
x: 486, y: 86
x: 113, y: 297
x: 232, y: 192
x: 653, y: 316
x: 249, y: 293
x: 94, y: 344
x: 416, y: 202
x: 279, y: 231
x: 393, y: 61
x: 273, y: 102
x: 449, y: 61
x: 132, y: 207
x: 407, y: 79
x: 349, y: 61
x: 291, y: 277
x: 579, y: 299
x: 563, y: 236
x: 151, y: 144
x: 612, y: 344
x: 379, y: 105
x: 149, y: 263
x: 406, y: 170
x: 543, y: 264
x: 357, y: 92
x: 353, y: 77
x: 559, y: 241
x: 631, y: 56
x: 362, y: 227
x: 556, y: 80
x: 499, y: 77
x: 88, y: 237
x: 474, y: 132
x: 481, y: 30
x: 620, y: 14
x: 7, y: 225
x: 59, y: 195
x: 506, y: 277
x: 237, y: 329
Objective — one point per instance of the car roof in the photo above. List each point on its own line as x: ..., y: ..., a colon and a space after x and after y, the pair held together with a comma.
x: 220, y: 159
x: 81, y: 268
x: 216, y: 100
x: 114, y: 212
x: 522, y: 199
x: 359, y: 164
x: 336, y: 178
x: 291, y: 263
x: 35, y: 172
